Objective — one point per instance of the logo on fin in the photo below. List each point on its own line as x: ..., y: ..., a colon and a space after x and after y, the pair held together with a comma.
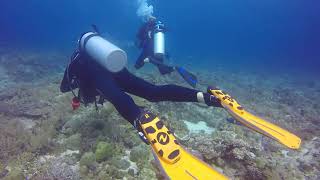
x: 163, y: 138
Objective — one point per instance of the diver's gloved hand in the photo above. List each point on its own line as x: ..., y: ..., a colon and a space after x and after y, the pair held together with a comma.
x: 141, y: 134
x: 211, y: 100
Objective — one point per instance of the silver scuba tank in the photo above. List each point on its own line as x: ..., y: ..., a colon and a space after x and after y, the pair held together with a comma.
x: 159, y: 40
x: 103, y: 52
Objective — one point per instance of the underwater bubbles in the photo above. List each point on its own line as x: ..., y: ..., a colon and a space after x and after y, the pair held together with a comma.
x: 144, y: 10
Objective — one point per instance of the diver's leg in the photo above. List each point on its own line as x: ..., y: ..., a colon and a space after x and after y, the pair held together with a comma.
x: 164, y: 69
x: 139, y: 87
x: 147, y: 51
x: 140, y: 60
x: 121, y: 101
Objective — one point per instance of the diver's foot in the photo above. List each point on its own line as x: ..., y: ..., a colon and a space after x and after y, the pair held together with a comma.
x: 141, y: 134
x: 143, y: 137
x: 210, y: 99
x: 146, y: 60
x: 140, y: 63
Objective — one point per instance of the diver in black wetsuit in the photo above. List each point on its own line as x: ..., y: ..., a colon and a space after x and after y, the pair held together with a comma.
x: 145, y: 41
x: 151, y: 39
x: 93, y: 80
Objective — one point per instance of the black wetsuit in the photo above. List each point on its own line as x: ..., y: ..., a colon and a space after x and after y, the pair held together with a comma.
x: 93, y: 80
x: 145, y: 42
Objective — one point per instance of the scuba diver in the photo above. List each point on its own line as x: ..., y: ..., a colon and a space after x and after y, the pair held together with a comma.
x: 97, y: 68
x: 151, y: 39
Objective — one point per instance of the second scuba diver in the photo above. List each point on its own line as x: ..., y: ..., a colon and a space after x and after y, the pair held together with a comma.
x: 146, y: 41
x: 151, y: 41
x: 97, y: 68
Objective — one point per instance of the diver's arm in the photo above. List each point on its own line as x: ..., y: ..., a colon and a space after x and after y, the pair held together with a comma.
x: 65, y: 85
x: 68, y: 82
x: 141, y: 60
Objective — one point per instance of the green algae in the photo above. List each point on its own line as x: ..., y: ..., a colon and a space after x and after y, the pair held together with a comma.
x: 88, y: 159
x: 15, y: 174
x: 120, y: 163
x: 104, y: 151
x: 139, y: 153
x: 73, y: 142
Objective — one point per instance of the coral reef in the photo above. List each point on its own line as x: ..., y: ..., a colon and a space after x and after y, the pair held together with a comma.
x: 88, y: 160
x: 73, y: 142
x: 42, y: 138
x: 139, y: 154
x: 225, y: 147
x: 104, y: 151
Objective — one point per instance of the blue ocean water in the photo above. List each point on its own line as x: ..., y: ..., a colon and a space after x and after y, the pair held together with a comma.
x: 270, y: 34
x: 266, y: 54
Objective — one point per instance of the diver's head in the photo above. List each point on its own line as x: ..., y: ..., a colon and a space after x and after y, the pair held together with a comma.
x: 151, y: 19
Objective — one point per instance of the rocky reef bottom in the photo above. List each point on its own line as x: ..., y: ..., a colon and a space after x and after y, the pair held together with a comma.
x: 42, y: 138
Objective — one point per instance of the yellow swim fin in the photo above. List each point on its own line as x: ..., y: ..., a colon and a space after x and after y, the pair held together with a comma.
x: 176, y: 163
x: 253, y: 122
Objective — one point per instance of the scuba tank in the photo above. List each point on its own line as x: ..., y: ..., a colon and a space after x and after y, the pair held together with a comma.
x: 159, y: 40
x: 103, y: 52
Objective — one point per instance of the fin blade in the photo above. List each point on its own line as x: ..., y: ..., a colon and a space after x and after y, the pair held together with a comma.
x: 184, y: 165
x: 190, y: 78
x: 256, y: 123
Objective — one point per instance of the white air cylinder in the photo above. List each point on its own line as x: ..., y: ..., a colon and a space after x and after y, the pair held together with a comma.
x: 159, y: 44
x: 103, y: 52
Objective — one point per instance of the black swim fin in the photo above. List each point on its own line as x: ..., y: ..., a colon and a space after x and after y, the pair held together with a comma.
x: 187, y: 76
